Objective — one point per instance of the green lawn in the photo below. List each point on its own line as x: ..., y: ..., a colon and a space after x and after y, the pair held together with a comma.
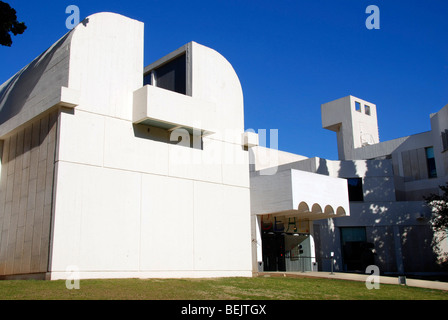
x: 257, y: 288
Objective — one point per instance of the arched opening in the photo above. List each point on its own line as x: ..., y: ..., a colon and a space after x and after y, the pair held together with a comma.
x: 303, y: 207
x: 316, y: 208
x: 340, y: 211
x: 329, y: 210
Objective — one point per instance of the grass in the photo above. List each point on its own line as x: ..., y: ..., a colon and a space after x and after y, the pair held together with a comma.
x: 257, y: 288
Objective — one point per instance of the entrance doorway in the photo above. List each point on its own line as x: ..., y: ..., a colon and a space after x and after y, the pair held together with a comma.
x: 357, y: 253
x: 286, y: 251
x: 273, y: 248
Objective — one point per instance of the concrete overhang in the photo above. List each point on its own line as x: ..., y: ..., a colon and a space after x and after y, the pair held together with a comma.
x: 58, y: 97
x: 250, y: 139
x: 300, y: 194
x: 67, y: 97
x: 171, y: 110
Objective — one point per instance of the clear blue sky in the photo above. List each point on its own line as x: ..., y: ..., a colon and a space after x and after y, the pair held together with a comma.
x: 290, y: 55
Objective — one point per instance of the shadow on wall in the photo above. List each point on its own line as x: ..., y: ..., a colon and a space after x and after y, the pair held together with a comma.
x: 20, y: 88
x: 398, y: 232
x: 323, y: 168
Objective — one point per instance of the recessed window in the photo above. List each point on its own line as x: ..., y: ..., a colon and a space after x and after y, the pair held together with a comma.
x: 357, y: 253
x: 367, y: 110
x: 355, y: 192
x: 444, y: 140
x: 357, y: 106
x: 171, y: 75
x: 353, y: 234
x: 431, y: 162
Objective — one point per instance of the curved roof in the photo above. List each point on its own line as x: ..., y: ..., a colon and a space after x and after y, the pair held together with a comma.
x: 73, y: 72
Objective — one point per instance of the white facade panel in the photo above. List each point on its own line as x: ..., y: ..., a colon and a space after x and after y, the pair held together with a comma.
x: 196, y: 164
x: 222, y: 228
x: 124, y: 150
x: 97, y: 218
x: 82, y: 138
x: 167, y: 224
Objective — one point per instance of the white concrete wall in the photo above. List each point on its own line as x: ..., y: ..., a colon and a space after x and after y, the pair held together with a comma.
x: 321, y: 190
x: 408, y: 157
x: 365, y: 126
x: 409, y: 162
x: 128, y: 205
x: 271, y: 193
x: 398, y: 230
x: 106, y: 64
x: 214, y: 80
x: 353, y: 128
x: 377, y: 174
x: 336, y: 116
x: 268, y: 160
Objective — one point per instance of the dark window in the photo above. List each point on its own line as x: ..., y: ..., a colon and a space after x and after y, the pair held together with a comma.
x: 431, y: 162
x: 353, y: 234
x: 173, y: 75
x: 357, y: 253
x: 355, y: 189
x: 367, y: 110
x: 147, y: 79
x: 444, y: 140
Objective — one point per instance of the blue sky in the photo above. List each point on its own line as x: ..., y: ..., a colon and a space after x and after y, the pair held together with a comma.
x: 290, y: 55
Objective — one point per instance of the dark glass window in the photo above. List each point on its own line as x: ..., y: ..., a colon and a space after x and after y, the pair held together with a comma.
x: 431, y: 162
x: 444, y: 140
x: 357, y: 253
x: 355, y: 192
x: 147, y: 79
x: 367, y: 110
x: 173, y: 75
x: 352, y: 234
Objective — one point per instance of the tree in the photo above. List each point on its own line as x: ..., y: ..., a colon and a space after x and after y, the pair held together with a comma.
x: 439, y: 220
x: 9, y: 23
x: 439, y: 208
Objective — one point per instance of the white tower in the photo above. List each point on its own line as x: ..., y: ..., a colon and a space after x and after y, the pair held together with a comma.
x: 355, y: 122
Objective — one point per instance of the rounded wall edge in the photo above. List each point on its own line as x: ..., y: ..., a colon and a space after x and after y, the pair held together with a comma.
x: 106, y: 63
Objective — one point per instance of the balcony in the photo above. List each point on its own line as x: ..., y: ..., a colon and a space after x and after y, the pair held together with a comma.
x: 170, y: 110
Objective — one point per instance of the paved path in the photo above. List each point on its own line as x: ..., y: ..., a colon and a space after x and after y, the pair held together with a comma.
x: 361, y: 277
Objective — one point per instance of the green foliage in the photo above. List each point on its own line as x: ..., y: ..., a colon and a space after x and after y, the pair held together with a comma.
x: 439, y: 223
x: 9, y: 23
x: 439, y: 207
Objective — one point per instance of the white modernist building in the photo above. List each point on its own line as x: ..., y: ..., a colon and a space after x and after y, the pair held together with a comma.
x: 388, y: 225
x: 111, y: 170
x: 114, y: 170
